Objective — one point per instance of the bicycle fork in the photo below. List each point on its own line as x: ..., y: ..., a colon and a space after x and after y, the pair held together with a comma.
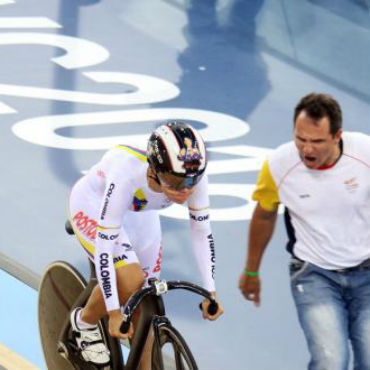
x: 159, y: 321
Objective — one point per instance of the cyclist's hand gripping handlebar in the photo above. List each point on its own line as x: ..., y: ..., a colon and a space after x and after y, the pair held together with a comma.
x: 124, y: 326
x: 158, y: 287
x: 212, y: 308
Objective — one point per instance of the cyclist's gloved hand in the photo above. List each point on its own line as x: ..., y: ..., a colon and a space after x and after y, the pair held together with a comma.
x: 115, y: 321
x: 205, y: 307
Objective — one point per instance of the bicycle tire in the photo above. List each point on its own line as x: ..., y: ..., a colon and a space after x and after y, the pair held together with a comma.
x: 181, y: 357
x: 59, y: 288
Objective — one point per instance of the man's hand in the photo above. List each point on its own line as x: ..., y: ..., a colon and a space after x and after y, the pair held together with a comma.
x: 250, y: 287
x: 205, y: 305
x: 115, y: 321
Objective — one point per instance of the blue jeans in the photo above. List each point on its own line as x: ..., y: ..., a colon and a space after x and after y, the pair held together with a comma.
x: 333, y: 310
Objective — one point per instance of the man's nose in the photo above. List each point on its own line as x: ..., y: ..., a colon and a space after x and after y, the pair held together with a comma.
x: 307, y: 148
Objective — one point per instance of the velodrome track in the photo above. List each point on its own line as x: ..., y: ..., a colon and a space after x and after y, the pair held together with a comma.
x: 77, y: 76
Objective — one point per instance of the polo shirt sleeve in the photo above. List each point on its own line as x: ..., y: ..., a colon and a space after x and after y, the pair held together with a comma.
x: 266, y: 192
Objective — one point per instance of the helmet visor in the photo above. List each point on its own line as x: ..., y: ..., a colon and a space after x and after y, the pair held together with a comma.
x: 174, y: 182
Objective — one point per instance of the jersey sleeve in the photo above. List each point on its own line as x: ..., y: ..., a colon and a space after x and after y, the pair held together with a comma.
x: 201, y: 233
x: 266, y: 192
x: 115, y: 203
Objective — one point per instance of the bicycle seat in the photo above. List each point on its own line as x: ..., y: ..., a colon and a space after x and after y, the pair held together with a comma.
x: 69, y: 228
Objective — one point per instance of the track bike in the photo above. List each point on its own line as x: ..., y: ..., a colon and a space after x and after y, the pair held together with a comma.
x: 63, y: 288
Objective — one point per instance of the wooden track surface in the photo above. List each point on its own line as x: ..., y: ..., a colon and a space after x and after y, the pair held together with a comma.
x: 10, y: 360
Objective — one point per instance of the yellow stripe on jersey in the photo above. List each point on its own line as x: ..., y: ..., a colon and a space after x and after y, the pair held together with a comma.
x: 107, y: 228
x: 119, y: 264
x: 266, y: 193
x: 198, y: 209
x: 90, y: 248
x: 134, y: 151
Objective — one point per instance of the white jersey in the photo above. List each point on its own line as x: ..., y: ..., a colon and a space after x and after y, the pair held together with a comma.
x: 328, y: 211
x: 105, y: 197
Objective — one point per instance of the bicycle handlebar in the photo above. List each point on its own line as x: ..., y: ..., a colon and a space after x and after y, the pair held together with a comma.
x: 158, y: 287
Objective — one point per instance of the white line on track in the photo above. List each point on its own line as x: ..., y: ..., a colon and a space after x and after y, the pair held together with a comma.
x: 27, y: 22
x: 4, y: 2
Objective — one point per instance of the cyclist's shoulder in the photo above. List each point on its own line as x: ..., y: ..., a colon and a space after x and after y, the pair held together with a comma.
x: 125, y: 157
x: 122, y: 164
x: 199, y: 199
x: 131, y: 152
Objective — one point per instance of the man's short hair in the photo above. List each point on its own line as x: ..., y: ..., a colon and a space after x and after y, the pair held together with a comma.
x: 318, y: 106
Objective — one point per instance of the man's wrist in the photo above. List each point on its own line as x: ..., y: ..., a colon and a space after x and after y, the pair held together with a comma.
x: 251, y: 273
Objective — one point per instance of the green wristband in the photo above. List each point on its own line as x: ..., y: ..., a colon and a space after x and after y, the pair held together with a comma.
x: 251, y: 273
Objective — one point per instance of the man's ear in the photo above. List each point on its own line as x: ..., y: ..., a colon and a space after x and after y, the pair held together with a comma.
x: 338, y: 135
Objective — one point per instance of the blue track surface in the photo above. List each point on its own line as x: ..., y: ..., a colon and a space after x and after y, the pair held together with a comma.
x: 18, y: 311
x: 77, y: 76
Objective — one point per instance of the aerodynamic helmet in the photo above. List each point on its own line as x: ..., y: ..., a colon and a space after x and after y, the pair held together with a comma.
x: 178, y: 149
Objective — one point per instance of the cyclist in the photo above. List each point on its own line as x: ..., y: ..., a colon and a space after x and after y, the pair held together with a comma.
x: 114, y: 213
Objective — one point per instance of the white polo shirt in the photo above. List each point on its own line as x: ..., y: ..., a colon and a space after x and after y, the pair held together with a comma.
x: 328, y: 210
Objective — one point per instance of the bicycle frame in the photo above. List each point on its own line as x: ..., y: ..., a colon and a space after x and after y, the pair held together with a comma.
x: 151, y: 307
x: 152, y: 314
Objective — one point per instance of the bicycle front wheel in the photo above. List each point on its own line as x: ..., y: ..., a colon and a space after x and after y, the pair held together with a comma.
x: 170, y: 351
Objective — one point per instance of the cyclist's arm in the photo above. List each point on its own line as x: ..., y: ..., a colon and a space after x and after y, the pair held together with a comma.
x: 201, y: 233
x: 115, y: 203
